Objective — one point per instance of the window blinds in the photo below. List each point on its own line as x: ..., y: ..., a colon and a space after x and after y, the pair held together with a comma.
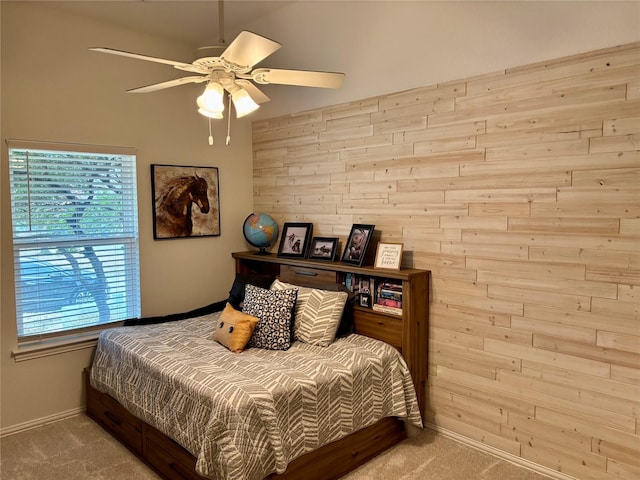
x: 75, y: 236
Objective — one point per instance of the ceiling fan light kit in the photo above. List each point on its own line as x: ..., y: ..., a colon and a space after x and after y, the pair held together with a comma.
x: 211, y: 102
x: 230, y: 70
x: 208, y: 114
x: 242, y: 101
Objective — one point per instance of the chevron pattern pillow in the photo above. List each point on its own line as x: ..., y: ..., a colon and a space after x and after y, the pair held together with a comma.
x: 275, y: 311
x: 317, y: 313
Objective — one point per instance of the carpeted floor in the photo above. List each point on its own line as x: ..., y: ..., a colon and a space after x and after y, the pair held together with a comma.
x: 78, y: 449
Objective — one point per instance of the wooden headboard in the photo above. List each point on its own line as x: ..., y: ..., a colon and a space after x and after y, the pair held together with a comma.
x: 407, y: 332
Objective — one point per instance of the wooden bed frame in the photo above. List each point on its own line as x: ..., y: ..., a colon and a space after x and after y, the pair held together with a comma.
x: 407, y: 333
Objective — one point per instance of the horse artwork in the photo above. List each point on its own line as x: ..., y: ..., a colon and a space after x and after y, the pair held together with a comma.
x: 176, y: 190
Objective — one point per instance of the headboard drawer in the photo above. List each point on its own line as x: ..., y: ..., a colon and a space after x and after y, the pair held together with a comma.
x: 305, y: 276
x: 383, y: 327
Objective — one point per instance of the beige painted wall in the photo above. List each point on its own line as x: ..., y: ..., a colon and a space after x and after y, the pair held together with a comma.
x: 520, y: 191
x: 54, y: 89
x: 470, y: 250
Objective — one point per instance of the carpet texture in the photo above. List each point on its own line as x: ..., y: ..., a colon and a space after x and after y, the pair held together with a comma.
x: 78, y: 449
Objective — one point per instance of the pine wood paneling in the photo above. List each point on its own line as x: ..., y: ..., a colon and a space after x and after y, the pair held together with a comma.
x: 520, y: 191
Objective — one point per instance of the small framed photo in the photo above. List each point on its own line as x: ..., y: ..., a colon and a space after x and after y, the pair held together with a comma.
x: 365, y: 300
x: 295, y: 240
x: 357, y: 244
x: 323, y: 248
x: 388, y: 256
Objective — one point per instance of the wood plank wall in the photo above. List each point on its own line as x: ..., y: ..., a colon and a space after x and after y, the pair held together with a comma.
x: 520, y: 191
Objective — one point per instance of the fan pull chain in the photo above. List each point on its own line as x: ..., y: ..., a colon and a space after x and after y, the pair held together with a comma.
x: 229, y: 123
x: 210, y: 136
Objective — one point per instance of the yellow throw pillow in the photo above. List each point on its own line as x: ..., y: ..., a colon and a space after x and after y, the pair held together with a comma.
x: 234, y: 329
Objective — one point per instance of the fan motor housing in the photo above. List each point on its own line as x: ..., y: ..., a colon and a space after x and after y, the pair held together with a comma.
x: 208, y: 56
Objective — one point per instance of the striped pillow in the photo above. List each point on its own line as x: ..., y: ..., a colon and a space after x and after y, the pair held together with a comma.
x: 317, y: 313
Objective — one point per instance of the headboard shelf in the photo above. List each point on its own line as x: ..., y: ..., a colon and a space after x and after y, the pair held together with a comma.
x: 407, y: 332
x: 248, y: 258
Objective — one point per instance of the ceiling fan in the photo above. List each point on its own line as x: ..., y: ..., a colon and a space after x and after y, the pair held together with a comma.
x: 230, y: 69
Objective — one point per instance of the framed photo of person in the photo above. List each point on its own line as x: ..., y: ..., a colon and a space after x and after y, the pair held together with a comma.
x: 323, y: 248
x: 355, y: 249
x: 295, y: 240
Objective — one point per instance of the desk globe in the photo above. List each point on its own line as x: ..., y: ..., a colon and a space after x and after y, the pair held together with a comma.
x: 260, y: 231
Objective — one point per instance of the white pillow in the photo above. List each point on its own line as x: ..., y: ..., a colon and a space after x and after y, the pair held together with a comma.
x: 317, y: 313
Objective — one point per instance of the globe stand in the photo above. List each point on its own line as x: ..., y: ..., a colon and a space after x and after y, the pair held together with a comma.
x: 262, y: 251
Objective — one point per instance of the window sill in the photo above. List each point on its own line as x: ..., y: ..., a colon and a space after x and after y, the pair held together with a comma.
x: 54, y: 346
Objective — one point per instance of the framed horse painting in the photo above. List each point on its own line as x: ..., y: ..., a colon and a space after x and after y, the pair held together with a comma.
x: 186, y: 203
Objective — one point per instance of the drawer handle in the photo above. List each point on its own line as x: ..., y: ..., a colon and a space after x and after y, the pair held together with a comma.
x: 303, y: 272
x: 180, y: 470
x: 113, y: 418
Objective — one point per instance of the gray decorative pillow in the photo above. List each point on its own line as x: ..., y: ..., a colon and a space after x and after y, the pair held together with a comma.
x: 275, y: 311
x: 317, y: 313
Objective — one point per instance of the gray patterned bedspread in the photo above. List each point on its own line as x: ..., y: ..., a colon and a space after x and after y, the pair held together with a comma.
x: 244, y: 416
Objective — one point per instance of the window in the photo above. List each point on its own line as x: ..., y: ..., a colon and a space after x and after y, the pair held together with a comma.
x: 75, y: 237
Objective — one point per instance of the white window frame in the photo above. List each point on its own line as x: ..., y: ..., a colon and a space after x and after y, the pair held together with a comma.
x: 122, y: 246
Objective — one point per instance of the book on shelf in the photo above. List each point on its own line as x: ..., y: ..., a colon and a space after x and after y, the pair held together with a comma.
x: 388, y: 297
x: 390, y: 286
x: 389, y: 302
x: 348, y: 281
x: 389, y: 290
x: 384, y: 309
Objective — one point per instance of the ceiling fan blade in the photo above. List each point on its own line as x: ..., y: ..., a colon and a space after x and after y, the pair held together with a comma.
x: 139, y: 57
x: 301, y: 78
x: 254, y: 92
x: 168, y: 84
x: 249, y: 48
x: 179, y: 65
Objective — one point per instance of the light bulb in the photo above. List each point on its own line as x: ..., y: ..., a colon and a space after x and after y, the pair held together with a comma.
x: 211, y: 101
x: 243, y: 103
x: 207, y: 113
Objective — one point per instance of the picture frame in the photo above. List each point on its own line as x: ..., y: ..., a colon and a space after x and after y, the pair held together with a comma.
x: 388, y: 256
x: 186, y: 201
x: 323, y: 248
x: 365, y: 300
x: 355, y: 249
x: 295, y: 240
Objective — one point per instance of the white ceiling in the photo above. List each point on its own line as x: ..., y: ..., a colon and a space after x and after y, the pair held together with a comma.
x: 193, y: 22
x: 382, y: 46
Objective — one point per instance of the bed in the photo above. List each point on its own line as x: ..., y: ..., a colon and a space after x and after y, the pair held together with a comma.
x: 191, y: 408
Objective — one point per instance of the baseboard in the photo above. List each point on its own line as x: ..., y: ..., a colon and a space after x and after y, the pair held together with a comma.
x: 21, y: 427
x: 39, y: 422
x: 509, y: 457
